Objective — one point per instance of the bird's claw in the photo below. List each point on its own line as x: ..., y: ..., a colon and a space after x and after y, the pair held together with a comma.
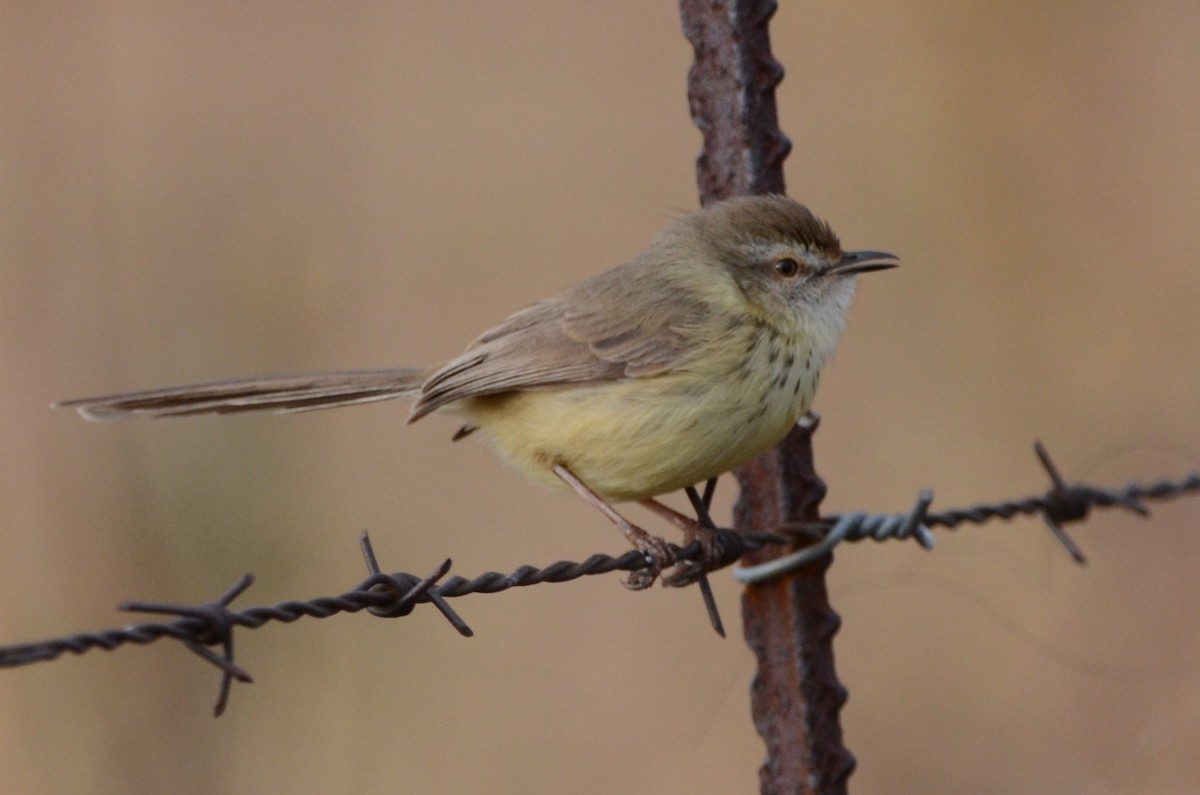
x: 689, y: 570
x: 658, y: 556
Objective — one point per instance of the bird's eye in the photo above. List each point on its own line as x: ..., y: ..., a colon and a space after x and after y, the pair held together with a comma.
x: 787, y: 267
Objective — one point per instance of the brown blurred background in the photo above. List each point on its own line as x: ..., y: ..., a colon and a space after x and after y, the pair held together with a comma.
x: 199, y: 190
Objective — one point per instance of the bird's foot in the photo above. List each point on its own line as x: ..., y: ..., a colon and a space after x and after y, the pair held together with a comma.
x: 712, y: 556
x: 657, y: 552
x: 717, y: 548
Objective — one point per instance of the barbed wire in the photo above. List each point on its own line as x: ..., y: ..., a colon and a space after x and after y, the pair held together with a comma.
x: 1062, y: 504
x: 200, y: 627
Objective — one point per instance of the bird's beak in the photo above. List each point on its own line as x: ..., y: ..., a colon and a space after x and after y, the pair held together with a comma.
x: 854, y: 262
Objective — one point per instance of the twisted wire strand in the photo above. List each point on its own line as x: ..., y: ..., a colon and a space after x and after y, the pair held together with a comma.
x: 1063, y: 503
x: 396, y: 595
x: 376, y: 594
x: 1126, y: 496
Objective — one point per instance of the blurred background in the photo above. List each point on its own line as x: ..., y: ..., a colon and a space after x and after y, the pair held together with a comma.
x: 201, y: 190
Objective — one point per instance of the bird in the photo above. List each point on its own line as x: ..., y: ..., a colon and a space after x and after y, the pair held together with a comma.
x: 692, y: 358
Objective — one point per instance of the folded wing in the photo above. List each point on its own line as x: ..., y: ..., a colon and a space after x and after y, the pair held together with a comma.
x: 618, y: 324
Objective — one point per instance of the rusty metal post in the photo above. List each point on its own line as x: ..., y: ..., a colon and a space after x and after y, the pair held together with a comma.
x: 731, y: 93
x: 796, y: 697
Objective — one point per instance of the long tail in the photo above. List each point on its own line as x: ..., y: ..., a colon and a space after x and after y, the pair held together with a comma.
x: 283, y: 393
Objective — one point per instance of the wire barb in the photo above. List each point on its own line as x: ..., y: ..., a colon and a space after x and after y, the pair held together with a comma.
x: 405, y: 590
x: 701, y: 504
x: 215, y: 626
x: 1063, y: 504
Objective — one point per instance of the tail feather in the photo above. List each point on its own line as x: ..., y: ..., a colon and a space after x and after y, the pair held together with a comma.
x: 281, y: 394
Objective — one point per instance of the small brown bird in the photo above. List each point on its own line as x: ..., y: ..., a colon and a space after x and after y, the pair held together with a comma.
x: 687, y: 361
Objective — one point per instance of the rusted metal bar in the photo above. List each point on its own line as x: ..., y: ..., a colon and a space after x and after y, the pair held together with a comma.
x: 796, y: 697
x: 731, y: 93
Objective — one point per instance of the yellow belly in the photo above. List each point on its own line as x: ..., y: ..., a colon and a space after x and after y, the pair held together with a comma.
x: 636, y: 438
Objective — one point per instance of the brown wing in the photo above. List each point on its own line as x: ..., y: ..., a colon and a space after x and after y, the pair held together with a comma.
x: 618, y: 324
x: 283, y: 393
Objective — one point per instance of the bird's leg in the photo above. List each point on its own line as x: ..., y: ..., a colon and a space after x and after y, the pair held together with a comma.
x: 654, y: 548
x: 688, y: 571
